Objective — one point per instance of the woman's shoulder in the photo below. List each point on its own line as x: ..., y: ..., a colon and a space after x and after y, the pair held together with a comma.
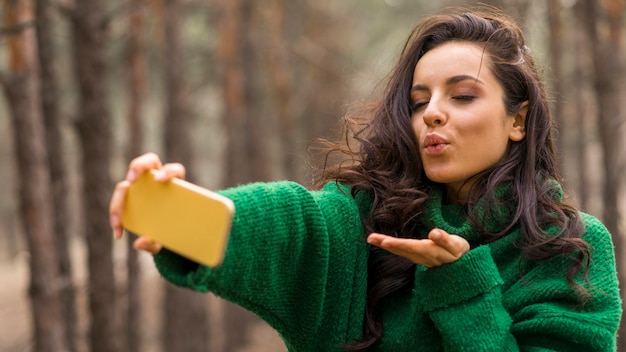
x: 596, y: 234
x: 593, y: 225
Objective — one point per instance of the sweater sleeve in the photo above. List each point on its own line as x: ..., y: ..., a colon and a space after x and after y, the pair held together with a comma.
x: 546, y: 316
x: 277, y: 259
x: 475, y: 310
x: 464, y: 301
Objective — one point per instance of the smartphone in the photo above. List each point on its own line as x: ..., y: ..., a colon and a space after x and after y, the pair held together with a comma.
x: 185, y: 218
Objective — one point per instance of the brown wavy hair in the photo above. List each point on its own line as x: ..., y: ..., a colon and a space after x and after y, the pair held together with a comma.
x: 380, y: 157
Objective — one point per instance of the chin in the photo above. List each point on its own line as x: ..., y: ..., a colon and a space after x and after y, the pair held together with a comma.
x: 439, y: 178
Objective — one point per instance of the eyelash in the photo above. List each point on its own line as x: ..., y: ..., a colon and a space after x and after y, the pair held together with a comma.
x: 461, y: 98
x: 415, y: 107
x: 464, y: 97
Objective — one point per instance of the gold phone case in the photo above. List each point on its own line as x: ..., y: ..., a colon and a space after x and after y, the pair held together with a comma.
x: 185, y: 218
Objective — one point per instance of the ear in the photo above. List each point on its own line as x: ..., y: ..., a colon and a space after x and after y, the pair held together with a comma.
x: 518, y: 129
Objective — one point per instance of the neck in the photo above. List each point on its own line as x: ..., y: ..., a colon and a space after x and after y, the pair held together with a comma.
x: 456, y: 195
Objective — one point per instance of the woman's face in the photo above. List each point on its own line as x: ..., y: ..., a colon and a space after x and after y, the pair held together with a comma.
x: 459, y: 116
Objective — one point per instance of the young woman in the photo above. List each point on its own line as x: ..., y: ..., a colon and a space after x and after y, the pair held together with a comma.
x: 446, y: 232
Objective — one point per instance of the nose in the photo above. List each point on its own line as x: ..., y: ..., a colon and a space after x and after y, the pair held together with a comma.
x: 434, y: 113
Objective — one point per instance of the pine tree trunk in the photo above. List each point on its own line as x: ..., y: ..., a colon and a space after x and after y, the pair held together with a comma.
x: 22, y: 88
x: 186, y: 319
x: 247, y: 152
x: 282, y: 88
x: 607, y: 49
x: 555, y: 25
x: 94, y: 131
x: 136, y: 84
x: 582, y: 93
x: 247, y: 144
x: 57, y: 162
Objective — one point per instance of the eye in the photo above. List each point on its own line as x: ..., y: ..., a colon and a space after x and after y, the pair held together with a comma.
x: 415, y: 107
x: 464, y: 98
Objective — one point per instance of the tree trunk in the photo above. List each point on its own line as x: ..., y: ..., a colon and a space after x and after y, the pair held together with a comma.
x: 94, y: 131
x: 282, y: 88
x: 555, y: 25
x: 247, y: 143
x: 136, y: 86
x: 58, y: 165
x: 22, y: 88
x: 186, y: 321
x: 608, y: 65
x: 322, y: 45
x: 582, y: 109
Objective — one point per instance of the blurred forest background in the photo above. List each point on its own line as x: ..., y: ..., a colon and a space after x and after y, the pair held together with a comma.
x: 234, y: 89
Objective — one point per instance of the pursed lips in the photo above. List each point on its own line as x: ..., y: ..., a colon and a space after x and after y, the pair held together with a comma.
x: 434, y: 144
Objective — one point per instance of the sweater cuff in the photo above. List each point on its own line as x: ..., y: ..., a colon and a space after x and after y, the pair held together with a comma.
x: 178, y: 270
x: 473, y: 274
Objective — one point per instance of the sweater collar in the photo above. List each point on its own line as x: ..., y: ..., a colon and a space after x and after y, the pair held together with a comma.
x: 453, y: 218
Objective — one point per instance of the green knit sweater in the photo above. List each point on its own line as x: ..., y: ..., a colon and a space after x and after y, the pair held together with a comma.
x: 298, y: 259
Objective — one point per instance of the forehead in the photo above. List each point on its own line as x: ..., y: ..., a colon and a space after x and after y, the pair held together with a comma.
x: 452, y: 59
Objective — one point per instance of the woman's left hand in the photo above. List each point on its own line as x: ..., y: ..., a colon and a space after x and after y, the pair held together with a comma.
x: 439, y: 248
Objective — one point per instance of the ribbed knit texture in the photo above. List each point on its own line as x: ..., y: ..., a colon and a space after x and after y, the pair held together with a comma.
x: 298, y: 259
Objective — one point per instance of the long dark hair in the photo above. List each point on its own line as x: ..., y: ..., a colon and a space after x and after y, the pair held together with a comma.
x: 386, y: 164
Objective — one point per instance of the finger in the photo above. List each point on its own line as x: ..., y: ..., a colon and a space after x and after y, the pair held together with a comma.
x: 169, y: 171
x: 409, y: 248
x: 405, y: 247
x: 147, y: 245
x: 116, y: 206
x: 454, y: 244
x: 424, y: 252
x: 376, y: 239
x: 386, y: 241
x: 141, y: 164
x: 438, y: 236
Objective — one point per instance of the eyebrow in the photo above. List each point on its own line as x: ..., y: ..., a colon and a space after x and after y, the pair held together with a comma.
x: 450, y: 81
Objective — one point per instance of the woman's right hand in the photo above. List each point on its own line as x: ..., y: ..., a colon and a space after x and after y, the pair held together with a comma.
x: 138, y: 166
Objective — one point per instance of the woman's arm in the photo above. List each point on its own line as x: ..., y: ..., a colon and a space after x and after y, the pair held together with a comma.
x: 277, y: 262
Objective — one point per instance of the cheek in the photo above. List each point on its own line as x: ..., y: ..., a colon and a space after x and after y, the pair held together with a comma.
x: 418, y: 127
x: 485, y: 139
x: 418, y: 131
x: 494, y: 143
x: 489, y: 128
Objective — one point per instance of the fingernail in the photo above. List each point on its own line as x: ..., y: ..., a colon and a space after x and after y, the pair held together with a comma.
x: 131, y: 175
x: 160, y: 175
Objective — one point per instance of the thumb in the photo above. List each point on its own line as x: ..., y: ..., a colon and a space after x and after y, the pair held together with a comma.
x: 454, y: 244
x: 438, y: 236
x: 147, y: 245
